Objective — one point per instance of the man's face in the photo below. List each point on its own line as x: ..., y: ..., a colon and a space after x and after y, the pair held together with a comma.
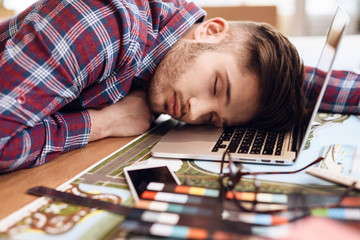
x: 211, y: 88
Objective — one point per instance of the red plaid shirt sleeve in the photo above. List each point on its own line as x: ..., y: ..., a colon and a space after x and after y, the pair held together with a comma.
x: 342, y: 94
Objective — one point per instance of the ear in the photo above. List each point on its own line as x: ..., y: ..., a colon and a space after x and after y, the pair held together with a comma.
x: 212, y: 30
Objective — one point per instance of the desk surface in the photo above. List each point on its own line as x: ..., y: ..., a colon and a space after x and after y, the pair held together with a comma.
x: 58, y: 171
x: 67, y: 166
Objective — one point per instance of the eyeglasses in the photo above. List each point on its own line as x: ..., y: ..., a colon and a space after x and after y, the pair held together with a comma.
x: 229, y: 180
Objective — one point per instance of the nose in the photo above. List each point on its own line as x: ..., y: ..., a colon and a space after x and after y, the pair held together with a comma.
x: 198, y: 108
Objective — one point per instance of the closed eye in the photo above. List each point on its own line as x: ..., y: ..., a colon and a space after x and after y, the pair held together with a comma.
x: 215, y: 85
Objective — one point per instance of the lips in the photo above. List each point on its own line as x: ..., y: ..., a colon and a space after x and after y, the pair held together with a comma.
x: 174, y: 107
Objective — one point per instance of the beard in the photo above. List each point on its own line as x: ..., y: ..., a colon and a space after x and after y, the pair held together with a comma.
x: 169, y: 71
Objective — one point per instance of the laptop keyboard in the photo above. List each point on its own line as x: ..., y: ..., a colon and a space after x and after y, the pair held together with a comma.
x: 250, y: 141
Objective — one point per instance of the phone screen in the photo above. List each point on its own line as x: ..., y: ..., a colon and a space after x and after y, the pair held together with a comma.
x: 140, y: 178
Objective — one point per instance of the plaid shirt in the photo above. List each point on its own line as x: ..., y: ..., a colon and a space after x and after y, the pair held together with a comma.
x: 342, y: 94
x: 82, y: 51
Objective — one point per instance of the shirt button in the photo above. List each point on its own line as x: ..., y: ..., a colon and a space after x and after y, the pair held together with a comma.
x: 21, y: 99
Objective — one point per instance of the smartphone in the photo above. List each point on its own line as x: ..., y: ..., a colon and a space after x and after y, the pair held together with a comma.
x: 139, y: 176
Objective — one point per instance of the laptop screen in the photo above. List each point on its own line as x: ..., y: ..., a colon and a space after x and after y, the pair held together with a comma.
x: 324, y: 66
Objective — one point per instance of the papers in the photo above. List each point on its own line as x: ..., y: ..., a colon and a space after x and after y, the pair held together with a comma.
x: 341, y: 165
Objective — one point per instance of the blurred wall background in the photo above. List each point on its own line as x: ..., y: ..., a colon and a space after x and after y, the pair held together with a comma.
x: 293, y: 17
x: 300, y: 17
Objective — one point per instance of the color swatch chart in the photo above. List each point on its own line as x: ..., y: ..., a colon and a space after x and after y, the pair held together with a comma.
x: 187, y: 212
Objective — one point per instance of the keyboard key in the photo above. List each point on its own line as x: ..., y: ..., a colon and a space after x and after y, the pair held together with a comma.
x: 232, y: 147
x: 267, y: 151
x: 244, y: 149
x: 215, y: 148
x: 255, y: 151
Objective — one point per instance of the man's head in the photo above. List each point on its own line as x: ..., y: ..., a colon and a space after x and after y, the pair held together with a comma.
x: 229, y: 73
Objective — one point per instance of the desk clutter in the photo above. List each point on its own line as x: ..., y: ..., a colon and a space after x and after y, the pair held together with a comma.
x: 196, y: 209
x: 188, y: 212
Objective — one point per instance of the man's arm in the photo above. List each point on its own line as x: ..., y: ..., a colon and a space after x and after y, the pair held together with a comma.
x: 25, y: 147
x: 128, y: 117
x: 61, y: 132
x: 342, y: 94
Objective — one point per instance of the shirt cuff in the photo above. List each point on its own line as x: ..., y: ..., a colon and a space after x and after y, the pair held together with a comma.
x: 77, y: 130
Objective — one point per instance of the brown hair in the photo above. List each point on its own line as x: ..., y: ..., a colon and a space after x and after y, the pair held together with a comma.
x: 280, y: 71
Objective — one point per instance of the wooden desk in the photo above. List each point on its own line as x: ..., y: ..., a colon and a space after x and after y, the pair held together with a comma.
x: 52, y: 174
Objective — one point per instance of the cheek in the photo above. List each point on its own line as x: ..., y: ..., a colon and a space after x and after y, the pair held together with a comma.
x: 194, y: 85
x: 155, y: 95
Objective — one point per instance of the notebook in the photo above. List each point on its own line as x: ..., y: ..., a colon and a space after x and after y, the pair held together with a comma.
x: 248, y: 144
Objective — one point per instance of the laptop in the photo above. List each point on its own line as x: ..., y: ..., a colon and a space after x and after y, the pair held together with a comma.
x: 248, y: 144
